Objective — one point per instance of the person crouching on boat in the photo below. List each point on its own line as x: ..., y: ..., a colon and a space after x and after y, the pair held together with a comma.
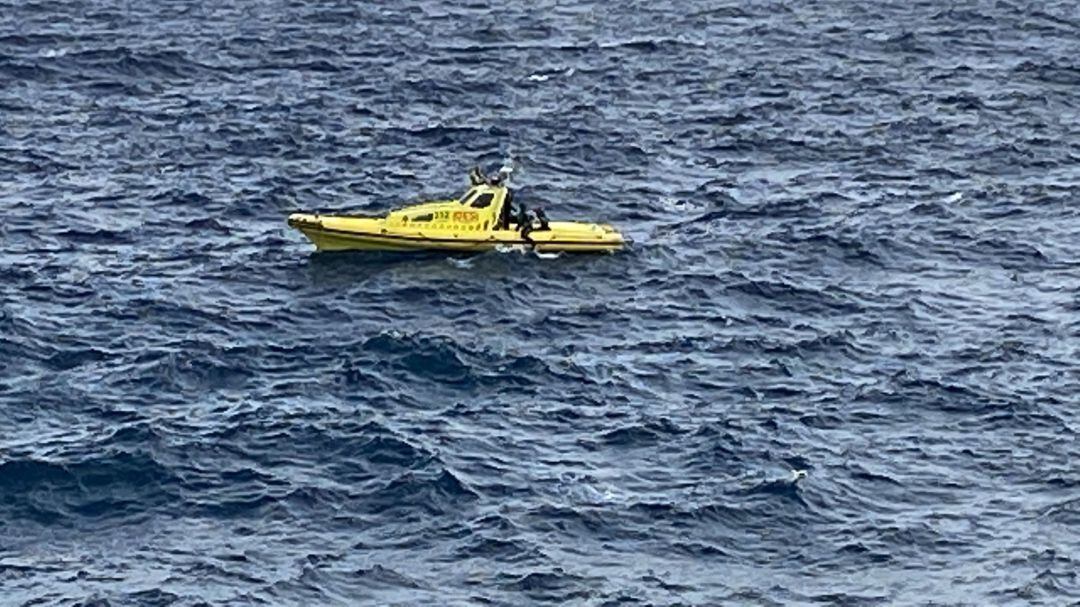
x: 506, y: 213
x: 476, y: 177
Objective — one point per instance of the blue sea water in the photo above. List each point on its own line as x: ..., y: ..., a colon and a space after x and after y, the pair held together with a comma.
x: 838, y: 367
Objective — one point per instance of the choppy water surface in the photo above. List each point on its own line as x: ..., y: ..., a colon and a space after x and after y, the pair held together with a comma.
x: 856, y: 257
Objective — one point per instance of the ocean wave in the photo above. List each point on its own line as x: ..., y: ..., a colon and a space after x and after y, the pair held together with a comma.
x: 115, y: 486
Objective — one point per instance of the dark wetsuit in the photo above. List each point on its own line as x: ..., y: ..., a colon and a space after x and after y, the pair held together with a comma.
x: 505, y: 212
x: 541, y: 216
x: 476, y: 176
x: 524, y: 223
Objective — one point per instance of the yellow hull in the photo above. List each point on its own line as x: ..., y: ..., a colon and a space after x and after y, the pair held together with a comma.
x: 336, y: 233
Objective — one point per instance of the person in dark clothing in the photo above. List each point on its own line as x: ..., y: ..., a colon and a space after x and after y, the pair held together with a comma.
x: 505, y: 213
x: 476, y: 176
x: 523, y: 222
x: 541, y: 216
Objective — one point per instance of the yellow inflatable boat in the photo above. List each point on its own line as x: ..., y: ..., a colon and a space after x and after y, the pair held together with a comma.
x: 481, y: 220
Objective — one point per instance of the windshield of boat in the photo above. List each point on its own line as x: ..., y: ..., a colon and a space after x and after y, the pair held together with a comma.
x: 469, y: 194
x: 482, y: 201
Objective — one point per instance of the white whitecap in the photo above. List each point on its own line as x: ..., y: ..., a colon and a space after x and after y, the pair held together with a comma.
x: 511, y: 248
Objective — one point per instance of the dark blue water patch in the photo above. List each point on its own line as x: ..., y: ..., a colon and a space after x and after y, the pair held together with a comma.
x: 435, y: 360
x: 555, y: 585
x: 183, y: 372
x: 102, y: 236
x: 806, y: 299
x: 208, y: 224
x: 127, y: 62
x: 116, y: 486
x: 503, y: 550
x: 432, y: 493
x: 647, y: 433
x: 19, y: 70
x: 379, y: 577
x: 31, y: 161
x: 69, y: 359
